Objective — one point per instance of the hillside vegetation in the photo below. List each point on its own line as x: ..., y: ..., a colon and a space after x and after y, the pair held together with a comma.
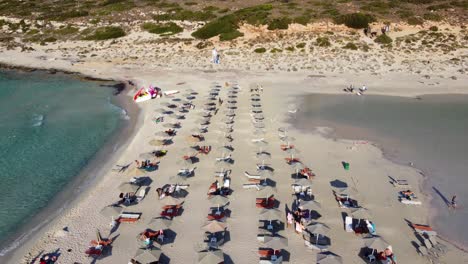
x: 223, y: 18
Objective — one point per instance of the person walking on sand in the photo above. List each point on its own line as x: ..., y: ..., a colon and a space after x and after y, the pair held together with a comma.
x: 290, y: 219
x: 453, y: 204
x: 214, y: 55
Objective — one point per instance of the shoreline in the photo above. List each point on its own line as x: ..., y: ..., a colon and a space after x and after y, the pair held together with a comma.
x: 423, y: 173
x: 21, y: 252
x: 80, y: 184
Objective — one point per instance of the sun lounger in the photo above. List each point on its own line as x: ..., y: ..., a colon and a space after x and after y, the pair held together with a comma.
x: 258, y: 139
x: 216, y: 216
x: 401, y: 184
x: 186, y: 172
x: 424, y: 229
x: 128, y: 217
x: 349, y: 224
x: 227, y: 158
x: 265, y: 203
x: 141, y: 194
x: 251, y: 186
x: 410, y: 202
x: 171, y: 212
x: 252, y: 176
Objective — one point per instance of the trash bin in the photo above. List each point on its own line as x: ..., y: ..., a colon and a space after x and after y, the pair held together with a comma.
x: 346, y: 165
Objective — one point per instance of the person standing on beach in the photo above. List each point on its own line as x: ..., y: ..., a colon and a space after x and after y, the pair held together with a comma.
x: 453, y: 204
x: 289, y: 219
x: 214, y: 55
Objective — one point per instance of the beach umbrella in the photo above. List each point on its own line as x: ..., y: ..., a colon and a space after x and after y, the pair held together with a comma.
x: 146, y: 155
x: 169, y: 200
x: 204, y: 114
x: 266, y: 173
x: 219, y: 200
x: 177, y: 179
x: 193, y: 139
x: 263, y: 156
x: 231, y: 106
x: 261, y: 145
x: 256, y: 104
x: 135, y: 172
x: 258, y: 116
x: 361, y: 213
x: 196, y: 131
x: 288, y: 140
x: 224, y: 150
x: 147, y: 255
x: 161, y: 134
x: 168, y: 125
x: 230, y: 112
x: 259, y: 132
x: 223, y: 166
x: 203, y: 121
x: 166, y: 104
x: 185, y: 163
x: 190, y: 152
x: 156, y: 142
x: 303, y: 182
x: 227, y: 120
x: 232, y: 101
x: 214, y: 226
x: 210, y: 256
x: 232, y: 96
x: 161, y: 110
x: 328, y: 258
x: 270, y: 214
x: 160, y: 222
x: 128, y: 187
x: 259, y: 125
x: 256, y: 110
x: 348, y: 192
x: 297, y: 166
x: 226, y: 129
x: 292, y: 152
x: 176, y: 99
x: 310, y: 205
x: 318, y: 228
x: 275, y: 242
x: 111, y: 211
x: 376, y: 243
x: 267, y: 191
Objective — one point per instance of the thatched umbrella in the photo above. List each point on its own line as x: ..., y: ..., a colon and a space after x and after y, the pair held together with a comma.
x: 263, y: 156
x: 376, y: 243
x: 328, y: 258
x: 258, y: 116
x: 224, y: 150
x: 361, y: 213
x: 292, y: 152
x: 156, y: 142
x: 270, y: 214
x: 169, y: 125
x: 128, y: 187
x: 227, y: 120
x: 318, y: 229
x: 219, y: 200
x: 310, y: 205
x: 266, y: 192
x: 214, y: 226
x: 161, y: 110
x: 348, y: 192
x: 223, y: 166
x: 204, y: 114
x: 261, y: 145
x: 259, y: 125
x: 256, y: 104
x: 169, y: 200
x: 185, y: 163
x: 162, y: 134
x: 160, y: 222
x: 288, y: 140
x: 259, y: 132
x: 256, y: 110
x: 147, y: 255
x: 275, y: 242
x: 210, y: 256
x: 297, y: 166
x: 111, y: 211
x: 303, y: 182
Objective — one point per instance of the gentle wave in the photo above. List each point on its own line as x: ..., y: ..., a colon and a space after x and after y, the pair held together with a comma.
x: 37, y: 120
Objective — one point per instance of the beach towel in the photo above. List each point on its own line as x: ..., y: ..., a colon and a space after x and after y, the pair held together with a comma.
x: 348, y: 224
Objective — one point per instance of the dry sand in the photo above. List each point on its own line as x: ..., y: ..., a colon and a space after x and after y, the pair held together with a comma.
x: 369, y: 170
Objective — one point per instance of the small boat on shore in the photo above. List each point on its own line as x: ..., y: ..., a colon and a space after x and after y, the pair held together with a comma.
x: 145, y: 94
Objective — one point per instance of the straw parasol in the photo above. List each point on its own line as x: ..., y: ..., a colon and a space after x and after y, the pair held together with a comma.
x: 256, y: 110
x: 224, y: 150
x: 169, y: 125
x: 318, y: 228
x: 348, y: 192
x: 190, y: 152
x: 270, y: 214
x: 361, y: 213
x: 214, y: 226
x: 185, y: 163
x: 219, y: 200
x: 177, y: 179
x: 328, y: 258
x: 161, y: 134
x: 230, y: 112
x: 111, y: 211
x: 258, y: 116
x: 310, y: 205
x: 223, y: 166
x: 292, y: 152
x: 263, y: 156
x: 259, y: 125
x: 376, y: 243
x: 259, y: 132
x: 256, y: 104
x: 136, y: 172
x: 156, y: 142
x: 275, y: 242
x: 266, y: 173
x: 128, y: 187
x: 204, y: 114
x: 267, y: 191
x: 227, y: 120
x: 288, y: 140
x: 147, y: 255
x: 210, y: 256
x: 169, y: 200
x: 161, y: 110
x: 146, y: 155
x: 303, y: 182
x: 160, y: 222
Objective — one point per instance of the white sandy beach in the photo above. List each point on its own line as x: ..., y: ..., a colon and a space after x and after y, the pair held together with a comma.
x: 318, y: 72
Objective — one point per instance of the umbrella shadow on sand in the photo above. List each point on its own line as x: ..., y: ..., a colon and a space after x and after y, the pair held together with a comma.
x: 338, y: 184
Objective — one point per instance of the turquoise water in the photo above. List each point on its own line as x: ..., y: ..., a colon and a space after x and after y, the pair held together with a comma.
x: 431, y: 132
x: 50, y: 127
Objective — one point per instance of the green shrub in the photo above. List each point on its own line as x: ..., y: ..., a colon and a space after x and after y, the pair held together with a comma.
x: 432, y: 17
x: 323, y: 42
x: 49, y: 39
x: 405, y: 13
x: 350, y: 46
x: 434, y: 28
x: 303, y: 20
x: 230, y: 35
x: 260, y: 50
x: 170, y: 28
x: 104, y: 33
x: 275, y: 50
x: 279, y: 23
x: 355, y: 20
x: 415, y: 21
x: 68, y: 30
x: 290, y: 48
x: 383, y: 39
x: 227, y: 26
x: 186, y: 15
x: 300, y: 45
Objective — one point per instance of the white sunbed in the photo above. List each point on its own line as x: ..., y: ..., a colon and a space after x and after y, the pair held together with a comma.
x: 401, y: 184
x: 410, y: 202
x: 252, y: 176
x: 258, y: 139
x: 251, y: 186
x: 349, y: 224
x: 228, y: 157
x: 141, y: 194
